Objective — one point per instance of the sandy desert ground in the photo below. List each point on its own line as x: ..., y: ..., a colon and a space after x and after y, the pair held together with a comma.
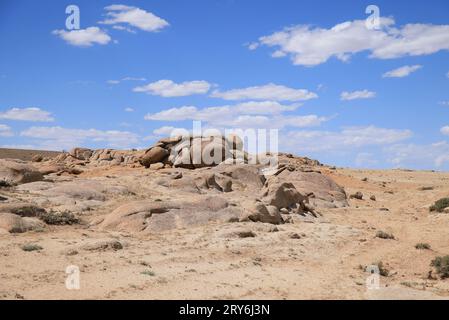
x: 305, y: 257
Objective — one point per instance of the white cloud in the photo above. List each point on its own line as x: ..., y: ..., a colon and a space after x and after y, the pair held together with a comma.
x: 5, y: 131
x: 447, y: 74
x: 435, y: 155
x: 269, y: 91
x: 444, y: 103
x: 113, y: 82
x: 363, y: 94
x: 401, y: 72
x: 345, y: 140
x: 168, y: 88
x: 135, y: 17
x: 310, y: 46
x: 445, y: 130
x: 58, y: 138
x: 262, y: 114
x: 129, y: 109
x: 84, y: 37
x: 27, y: 114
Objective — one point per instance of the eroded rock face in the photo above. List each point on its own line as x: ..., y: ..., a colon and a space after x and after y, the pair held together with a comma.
x: 321, y: 190
x: 149, y: 216
x: 18, y: 172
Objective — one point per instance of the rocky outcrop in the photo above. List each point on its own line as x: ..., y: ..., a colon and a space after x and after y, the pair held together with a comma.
x: 17, y: 172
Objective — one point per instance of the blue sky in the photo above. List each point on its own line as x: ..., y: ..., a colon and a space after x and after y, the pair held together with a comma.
x: 337, y: 91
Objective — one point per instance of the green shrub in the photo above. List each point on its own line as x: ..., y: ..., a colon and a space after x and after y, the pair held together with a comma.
x: 441, y: 265
x: 422, y: 246
x: 384, y: 235
x: 31, y: 247
x: 440, y: 205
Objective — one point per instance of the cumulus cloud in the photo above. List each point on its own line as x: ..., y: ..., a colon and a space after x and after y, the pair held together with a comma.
x: 269, y: 91
x: 168, y: 88
x: 363, y: 94
x: 27, y: 114
x: 84, y: 37
x: 311, y: 46
x: 65, y: 138
x: 260, y: 114
x: 118, y: 15
x: 402, y: 71
x: 5, y: 131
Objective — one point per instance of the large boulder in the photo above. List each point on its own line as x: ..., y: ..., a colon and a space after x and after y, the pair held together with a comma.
x: 322, y: 191
x: 154, y: 155
x: 17, y: 172
x: 282, y: 195
x: 257, y: 211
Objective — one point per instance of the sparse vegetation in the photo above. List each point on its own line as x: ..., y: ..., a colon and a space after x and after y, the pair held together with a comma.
x: 59, y: 218
x: 31, y: 247
x: 441, y: 265
x: 4, y: 184
x: 440, y: 205
x: 148, y: 273
x: 422, y: 246
x: 384, y: 235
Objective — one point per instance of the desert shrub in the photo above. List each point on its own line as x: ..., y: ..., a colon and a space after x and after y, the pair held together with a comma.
x: 384, y: 235
x: 440, y: 205
x: 59, y: 218
x: 441, y: 265
x: 422, y: 246
x: 148, y: 273
x: 31, y: 247
x: 4, y: 184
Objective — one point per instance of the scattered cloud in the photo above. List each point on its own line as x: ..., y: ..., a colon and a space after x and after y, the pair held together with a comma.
x: 168, y: 88
x: 447, y: 74
x: 114, y: 82
x: 253, y: 114
x: 57, y: 138
x: 129, y: 109
x: 5, y: 131
x: 401, y: 72
x: 84, y: 37
x: 132, y: 16
x: 444, y: 103
x: 419, y: 156
x: 27, y: 114
x: 311, y: 46
x: 363, y: 94
x: 445, y: 130
x: 269, y: 91
x: 345, y: 140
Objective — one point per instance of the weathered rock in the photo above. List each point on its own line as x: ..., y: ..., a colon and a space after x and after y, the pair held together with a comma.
x: 358, y: 195
x: 102, y: 245
x: 81, y: 153
x: 37, y: 158
x: 17, y: 172
x: 154, y: 155
x: 256, y: 211
x: 321, y: 190
x: 282, y: 195
x: 157, y: 166
x: 16, y: 224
